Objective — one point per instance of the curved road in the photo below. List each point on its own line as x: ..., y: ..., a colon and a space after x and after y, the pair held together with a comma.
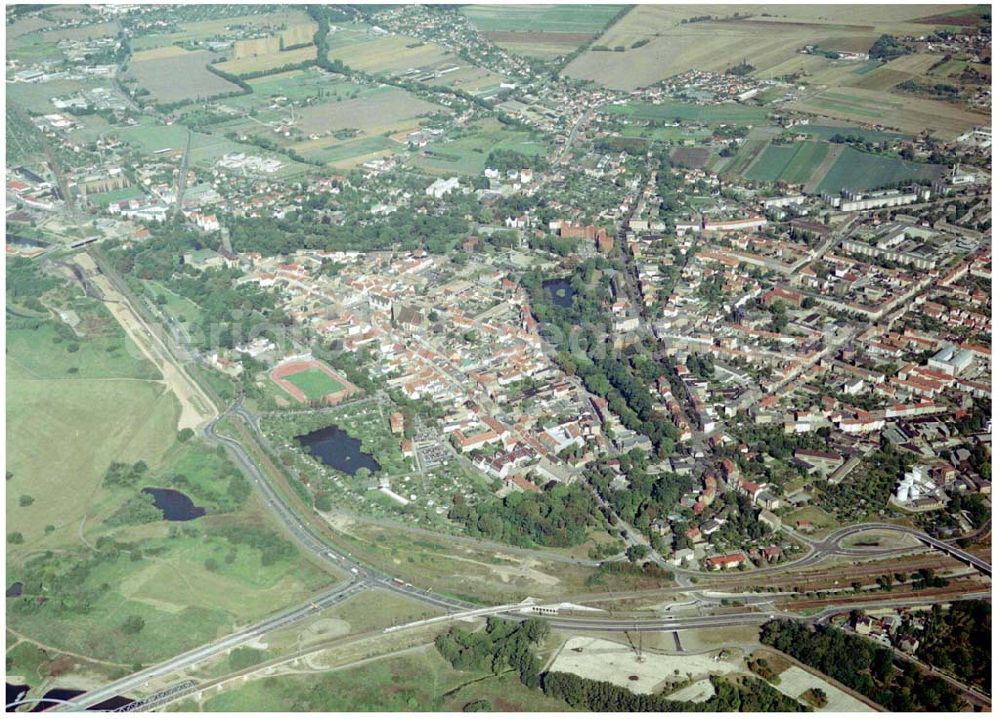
x: 363, y: 576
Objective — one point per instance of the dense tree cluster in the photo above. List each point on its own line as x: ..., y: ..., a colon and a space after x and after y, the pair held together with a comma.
x: 750, y: 695
x: 862, y: 665
x: 558, y: 518
x: 957, y: 641
x: 886, y: 48
x: 503, y: 645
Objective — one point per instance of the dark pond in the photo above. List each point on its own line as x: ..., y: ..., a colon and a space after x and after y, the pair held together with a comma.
x: 23, y: 241
x: 335, y: 448
x: 17, y: 691
x: 55, y: 694
x: 176, y: 506
x: 560, y: 291
x: 15, y: 590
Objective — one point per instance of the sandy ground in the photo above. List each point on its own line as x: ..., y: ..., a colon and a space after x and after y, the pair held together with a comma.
x: 196, y: 409
x: 795, y: 681
x: 608, y: 661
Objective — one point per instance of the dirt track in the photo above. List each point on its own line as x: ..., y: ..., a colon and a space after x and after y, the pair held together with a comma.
x: 196, y: 408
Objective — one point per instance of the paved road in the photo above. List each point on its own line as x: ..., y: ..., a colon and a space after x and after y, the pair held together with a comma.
x: 129, y: 684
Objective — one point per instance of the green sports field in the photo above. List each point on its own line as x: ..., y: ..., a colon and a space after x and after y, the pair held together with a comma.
x: 314, y: 383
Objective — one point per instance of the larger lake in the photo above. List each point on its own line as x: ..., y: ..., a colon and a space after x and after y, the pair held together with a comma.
x: 335, y: 448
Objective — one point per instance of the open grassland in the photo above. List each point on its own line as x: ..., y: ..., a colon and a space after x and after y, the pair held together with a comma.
x: 82, y: 401
x: 766, y: 42
x: 911, y: 115
x: 351, y: 153
x: 268, y: 61
x: 65, y: 435
x: 408, y: 680
x: 162, y: 77
x: 182, y: 602
x: 201, y: 30
x: 793, y: 163
x: 670, y: 110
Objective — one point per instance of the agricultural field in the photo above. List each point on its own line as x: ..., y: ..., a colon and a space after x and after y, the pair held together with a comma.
x: 201, y: 30
x: 766, y: 42
x: 159, y: 72
x: 670, y: 110
x: 389, y: 54
x: 908, y: 114
x: 301, y: 34
x: 377, y: 111
x: 268, y: 61
x: 858, y: 170
x: 543, y: 31
x: 355, y: 125
x: 794, y: 163
x: 825, y: 132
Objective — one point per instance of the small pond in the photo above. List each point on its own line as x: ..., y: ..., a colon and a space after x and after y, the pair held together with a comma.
x: 176, y: 506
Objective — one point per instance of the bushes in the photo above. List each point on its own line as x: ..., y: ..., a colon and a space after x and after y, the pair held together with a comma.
x: 559, y: 518
x: 504, y: 644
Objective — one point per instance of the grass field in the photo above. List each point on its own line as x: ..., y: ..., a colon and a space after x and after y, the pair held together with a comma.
x: 315, y: 383
x: 669, y: 110
x: 466, y: 155
x: 862, y: 171
x: 793, y: 163
x: 825, y: 132
x: 417, y: 679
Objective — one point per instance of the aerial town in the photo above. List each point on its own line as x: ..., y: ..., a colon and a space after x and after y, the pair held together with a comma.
x: 498, y: 358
